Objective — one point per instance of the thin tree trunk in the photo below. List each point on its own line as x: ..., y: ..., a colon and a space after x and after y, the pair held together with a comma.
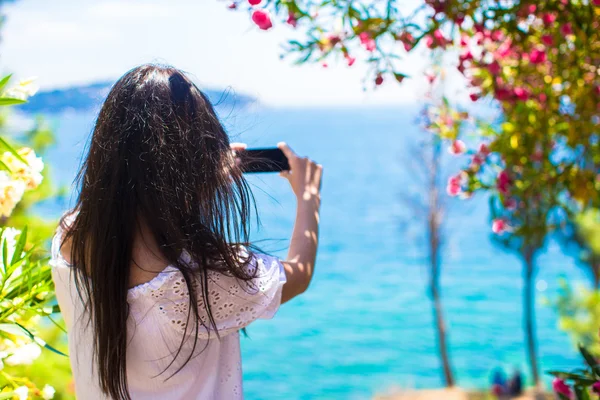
x: 529, y: 315
x: 434, y: 230
x: 438, y: 316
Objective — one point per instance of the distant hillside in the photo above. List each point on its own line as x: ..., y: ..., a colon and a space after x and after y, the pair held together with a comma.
x: 90, y: 97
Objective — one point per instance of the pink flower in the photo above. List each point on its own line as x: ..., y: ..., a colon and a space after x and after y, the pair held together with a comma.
x: 531, y: 8
x: 367, y: 41
x: 379, y: 80
x: 499, y: 226
x: 503, y: 182
x: 254, y: 2
x: 522, y: 94
x: 537, y: 56
x: 494, y: 68
x: 477, y: 160
x: 549, y: 18
x: 325, y: 65
x: 548, y: 40
x: 407, y: 40
x: 566, y: 29
x: 292, y: 19
x: 466, y: 56
x: 497, y: 36
x: 429, y: 42
x: 596, y: 386
x: 474, y: 96
x: 510, y: 204
x: 484, y: 149
x: 457, y: 147
x: 430, y: 77
x: 262, y: 19
x: 503, y: 94
x: 454, y: 187
x: 560, y: 387
x: 464, y: 40
x: 350, y: 60
x: 440, y: 38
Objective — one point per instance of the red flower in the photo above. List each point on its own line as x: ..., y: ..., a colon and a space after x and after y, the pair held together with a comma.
x: 484, y: 149
x: 350, y: 60
x: 499, y: 226
x: 548, y: 40
x: 464, y: 40
x: 537, y: 56
x: 254, y: 2
x: 367, y: 41
x: 232, y: 6
x: 503, y: 183
x: 474, y: 96
x: 522, y: 94
x: 560, y: 387
x: 566, y: 29
x: 292, y: 19
x: 549, y: 18
x: 379, y: 79
x: 477, y: 160
x: 262, y: 19
x: 596, y: 386
x: 457, y: 147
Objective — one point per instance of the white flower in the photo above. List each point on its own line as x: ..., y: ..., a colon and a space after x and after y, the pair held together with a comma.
x: 30, y: 172
x: 48, y: 392
x: 23, y: 90
x: 11, y: 192
x: 24, y: 355
x: 22, y: 392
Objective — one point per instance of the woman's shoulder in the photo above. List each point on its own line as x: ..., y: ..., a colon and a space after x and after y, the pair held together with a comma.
x: 61, y: 244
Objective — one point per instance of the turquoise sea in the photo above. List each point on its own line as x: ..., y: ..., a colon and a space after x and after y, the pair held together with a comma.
x: 365, y: 324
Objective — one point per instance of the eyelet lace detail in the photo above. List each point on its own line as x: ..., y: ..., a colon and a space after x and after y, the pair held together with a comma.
x: 234, y: 304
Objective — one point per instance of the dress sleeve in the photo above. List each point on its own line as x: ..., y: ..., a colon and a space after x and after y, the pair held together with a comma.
x: 234, y: 304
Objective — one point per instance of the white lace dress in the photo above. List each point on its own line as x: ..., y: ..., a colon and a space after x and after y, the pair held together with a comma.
x: 156, y: 325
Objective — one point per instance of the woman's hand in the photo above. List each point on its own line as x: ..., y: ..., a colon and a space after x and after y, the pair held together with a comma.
x: 304, y: 175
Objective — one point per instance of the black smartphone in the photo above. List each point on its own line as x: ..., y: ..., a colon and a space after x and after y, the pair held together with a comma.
x: 262, y: 160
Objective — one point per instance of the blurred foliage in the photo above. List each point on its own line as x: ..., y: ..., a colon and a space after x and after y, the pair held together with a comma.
x: 579, y: 314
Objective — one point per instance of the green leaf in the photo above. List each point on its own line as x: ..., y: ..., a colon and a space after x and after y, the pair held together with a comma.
x: 5, y: 255
x: 573, y: 376
x: 399, y: 77
x: 14, y: 329
x: 12, y: 150
x: 581, y: 393
x: 590, y: 360
x: 9, y: 101
x: 19, y: 246
x: 4, y: 81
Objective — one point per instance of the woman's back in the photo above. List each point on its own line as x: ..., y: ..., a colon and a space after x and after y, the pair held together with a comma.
x: 158, y: 313
x: 152, y: 268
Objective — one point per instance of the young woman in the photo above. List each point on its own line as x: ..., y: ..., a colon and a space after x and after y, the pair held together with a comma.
x: 153, y: 270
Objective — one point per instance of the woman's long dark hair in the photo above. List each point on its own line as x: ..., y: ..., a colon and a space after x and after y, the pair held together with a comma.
x: 158, y: 156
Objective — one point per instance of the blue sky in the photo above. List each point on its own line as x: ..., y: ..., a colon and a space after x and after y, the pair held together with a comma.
x: 71, y: 42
